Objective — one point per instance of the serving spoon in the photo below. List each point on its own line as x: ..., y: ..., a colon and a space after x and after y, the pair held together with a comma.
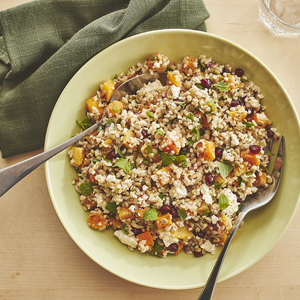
x: 254, y: 201
x: 13, y: 174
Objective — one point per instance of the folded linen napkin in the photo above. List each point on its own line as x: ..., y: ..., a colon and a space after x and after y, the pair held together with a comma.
x: 45, y: 42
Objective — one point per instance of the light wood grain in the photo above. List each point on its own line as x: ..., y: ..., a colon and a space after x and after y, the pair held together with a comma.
x: 38, y: 260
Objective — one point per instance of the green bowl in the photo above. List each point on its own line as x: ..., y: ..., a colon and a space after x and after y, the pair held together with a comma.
x: 262, y: 228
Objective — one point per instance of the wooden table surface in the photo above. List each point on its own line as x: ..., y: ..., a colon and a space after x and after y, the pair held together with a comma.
x: 38, y: 260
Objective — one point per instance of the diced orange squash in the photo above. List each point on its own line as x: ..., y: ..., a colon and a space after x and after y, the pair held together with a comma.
x: 151, y: 63
x: 107, y: 145
x: 260, y: 179
x: 238, y: 115
x: 183, y: 233
x: 189, y: 64
x: 78, y: 156
x: 233, y: 85
x: 209, y: 150
x: 226, y: 221
x: 125, y: 213
x: 146, y: 236
x: 163, y: 221
x: 218, y: 178
x: 108, y: 87
x: 171, y: 146
x: 202, y: 208
x: 114, y: 108
x: 164, y: 175
x: 97, y: 221
x: 140, y: 212
x: 180, y: 247
x: 92, y: 104
x: 115, y: 224
x: 127, y: 140
x: 260, y: 119
x: 223, y: 238
x: 174, y: 77
x: 239, y: 170
x: 253, y: 159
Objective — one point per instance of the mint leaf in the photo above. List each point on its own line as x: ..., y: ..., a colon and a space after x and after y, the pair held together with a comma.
x: 123, y: 229
x: 150, y: 114
x: 167, y: 159
x: 223, y: 202
x: 222, y: 86
x: 244, y: 79
x: 157, y: 247
x: 124, y: 164
x: 217, y: 185
x: 85, y: 123
x: 148, y: 150
x: 182, y: 214
x: 112, y: 207
x: 225, y: 169
x: 202, y: 68
x: 263, y: 167
x: 159, y: 131
x: 190, y: 142
x: 190, y: 116
x: 86, y: 188
x: 151, y: 215
x: 95, y: 161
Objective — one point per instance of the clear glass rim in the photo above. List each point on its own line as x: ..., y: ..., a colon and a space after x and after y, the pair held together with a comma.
x: 277, y: 19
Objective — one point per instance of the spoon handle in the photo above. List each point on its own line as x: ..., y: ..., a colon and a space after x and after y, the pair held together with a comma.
x: 13, y: 174
x: 209, y: 287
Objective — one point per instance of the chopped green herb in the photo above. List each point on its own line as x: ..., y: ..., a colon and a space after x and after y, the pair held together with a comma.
x: 77, y: 171
x: 107, y: 160
x: 115, y: 109
x: 116, y: 76
x: 156, y: 249
x: 108, y: 123
x: 86, y: 188
x: 244, y: 79
x: 95, y: 161
x: 182, y: 214
x: 190, y: 116
x: 161, y: 195
x: 148, y: 150
x: 182, y: 104
x: 199, y: 86
x: 167, y: 159
x: 190, y: 142
x: 120, y: 153
x: 249, y: 125
x: 153, y: 58
x: 223, y: 202
x: 205, y: 213
x: 138, y: 149
x: 150, y: 114
x: 151, y: 215
x: 168, y: 69
x: 268, y: 153
x: 217, y: 185
x: 85, y: 123
x: 112, y: 207
x: 145, y: 162
x: 249, y: 173
x: 202, y: 68
x: 212, y: 104
x: 181, y: 159
x: 222, y: 86
x: 124, y: 164
x: 123, y: 229
x: 225, y: 169
x: 240, y: 180
x: 159, y: 131
x: 263, y: 167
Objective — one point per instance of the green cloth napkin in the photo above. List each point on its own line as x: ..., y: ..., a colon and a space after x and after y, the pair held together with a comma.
x: 45, y: 42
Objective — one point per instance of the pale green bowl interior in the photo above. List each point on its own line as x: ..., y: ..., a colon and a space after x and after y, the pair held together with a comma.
x: 262, y: 228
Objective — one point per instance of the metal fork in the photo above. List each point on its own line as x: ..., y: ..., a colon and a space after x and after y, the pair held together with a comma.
x: 13, y: 174
x: 254, y: 201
